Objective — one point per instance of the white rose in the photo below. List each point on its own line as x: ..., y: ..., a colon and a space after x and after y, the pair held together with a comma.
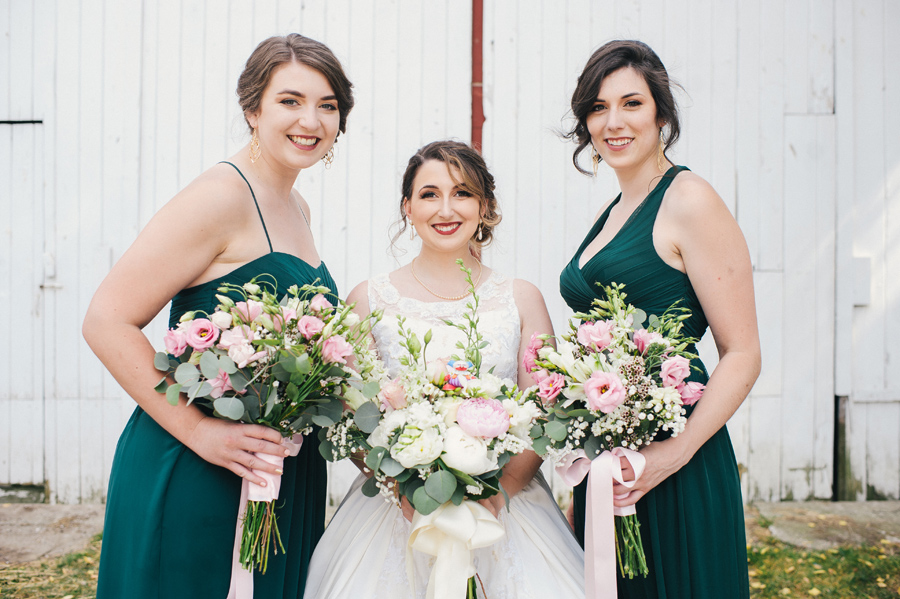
x: 222, y: 320
x: 416, y: 447
x: 467, y: 454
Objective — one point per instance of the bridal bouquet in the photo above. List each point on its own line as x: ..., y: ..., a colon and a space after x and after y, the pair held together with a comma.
x: 264, y: 361
x: 612, y: 388
x: 438, y: 434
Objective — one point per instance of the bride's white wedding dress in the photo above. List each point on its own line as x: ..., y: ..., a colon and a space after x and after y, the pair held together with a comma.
x: 363, y: 551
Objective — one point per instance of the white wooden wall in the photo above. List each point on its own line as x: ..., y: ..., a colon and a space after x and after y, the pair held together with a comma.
x: 788, y: 112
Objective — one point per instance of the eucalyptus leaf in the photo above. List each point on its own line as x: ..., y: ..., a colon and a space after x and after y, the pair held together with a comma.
x: 503, y: 460
x: 238, y: 381
x: 209, y: 365
x: 369, y: 489
x: 302, y: 363
x: 375, y: 457
x: 271, y: 400
x: 402, y: 476
x: 556, y: 430
x: 440, y: 486
x: 161, y: 361
x: 331, y: 408
x: 593, y: 447
x: 540, y: 445
x: 172, y: 394
x: 639, y: 317
x: 228, y: 365
x: 186, y: 374
x: 326, y: 448
x: 251, y: 405
x: 371, y: 389
x: 391, y: 467
x: 229, y: 407
x: 322, y: 420
x: 423, y: 502
x: 162, y: 385
x: 536, y: 431
x: 458, y: 495
x: 199, y: 390
x: 367, y: 417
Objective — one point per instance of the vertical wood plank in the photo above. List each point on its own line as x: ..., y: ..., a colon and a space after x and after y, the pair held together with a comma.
x: 21, y: 61
x: 6, y: 318
x: 883, y: 451
x: 764, y: 459
x: 747, y: 135
x: 796, y: 55
x: 891, y: 127
x: 821, y: 57
x: 218, y: 87
x: 723, y: 99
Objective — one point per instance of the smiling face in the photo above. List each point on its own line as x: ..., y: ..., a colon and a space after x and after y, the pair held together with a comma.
x: 297, y: 120
x: 622, y: 123
x: 444, y: 214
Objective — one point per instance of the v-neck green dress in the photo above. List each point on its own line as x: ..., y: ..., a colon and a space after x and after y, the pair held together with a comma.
x: 170, y: 515
x: 692, y: 524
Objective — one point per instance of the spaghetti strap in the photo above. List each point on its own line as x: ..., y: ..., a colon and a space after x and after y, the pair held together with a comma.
x: 258, y: 211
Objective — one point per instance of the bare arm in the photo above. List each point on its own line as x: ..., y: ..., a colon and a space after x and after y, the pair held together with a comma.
x: 147, y: 276
x: 714, y: 255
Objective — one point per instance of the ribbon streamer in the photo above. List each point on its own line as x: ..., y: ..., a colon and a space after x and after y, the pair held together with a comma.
x: 241, y: 579
x: 600, y: 530
x: 451, y: 533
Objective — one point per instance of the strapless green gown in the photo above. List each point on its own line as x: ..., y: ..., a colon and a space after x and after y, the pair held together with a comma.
x: 692, y: 524
x: 170, y: 515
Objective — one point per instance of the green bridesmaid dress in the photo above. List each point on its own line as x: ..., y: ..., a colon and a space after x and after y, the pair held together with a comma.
x: 692, y: 524
x: 170, y: 515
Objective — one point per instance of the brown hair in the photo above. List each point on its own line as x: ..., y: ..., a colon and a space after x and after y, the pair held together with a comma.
x: 476, y: 179
x: 611, y: 57
x: 278, y: 50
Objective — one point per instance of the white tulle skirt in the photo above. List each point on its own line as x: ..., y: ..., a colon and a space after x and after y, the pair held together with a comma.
x: 363, y: 552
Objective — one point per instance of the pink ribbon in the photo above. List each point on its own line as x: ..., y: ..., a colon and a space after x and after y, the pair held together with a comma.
x: 599, y: 528
x: 241, y: 579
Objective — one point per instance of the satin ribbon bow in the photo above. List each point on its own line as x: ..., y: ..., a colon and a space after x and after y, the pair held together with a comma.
x: 451, y: 533
x: 241, y: 579
x: 599, y: 528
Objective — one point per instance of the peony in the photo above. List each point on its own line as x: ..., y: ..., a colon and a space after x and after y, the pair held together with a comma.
x: 220, y: 385
x: 309, y: 325
x: 201, y: 334
x: 531, y: 352
x: 604, y: 392
x: 318, y: 303
x: 595, y: 335
x: 393, y: 395
x: 416, y: 447
x: 674, y: 371
x: 480, y: 417
x: 336, y: 349
x: 223, y: 320
x: 467, y: 453
x: 175, y: 341
x: 248, y: 311
x: 644, y: 339
x: 691, y: 392
x: 550, y: 386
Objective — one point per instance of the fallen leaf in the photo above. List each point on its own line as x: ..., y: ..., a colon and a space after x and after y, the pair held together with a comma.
x: 815, y: 592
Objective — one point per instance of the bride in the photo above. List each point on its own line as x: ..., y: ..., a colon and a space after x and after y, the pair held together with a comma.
x: 448, y: 200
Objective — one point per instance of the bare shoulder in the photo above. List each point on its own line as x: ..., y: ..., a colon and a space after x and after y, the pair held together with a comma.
x: 219, y: 192
x: 528, y: 297
x: 304, y: 206
x: 359, y: 295
x: 691, y: 197
x: 603, y: 208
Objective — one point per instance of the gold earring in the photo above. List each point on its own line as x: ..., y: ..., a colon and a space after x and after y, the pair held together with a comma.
x: 328, y: 158
x: 595, y: 158
x: 480, y: 230
x: 412, y: 230
x: 255, y: 152
x: 660, y: 153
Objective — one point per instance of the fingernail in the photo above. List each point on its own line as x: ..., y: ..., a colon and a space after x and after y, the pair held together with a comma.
x: 262, y: 484
x: 286, y: 453
x: 279, y: 471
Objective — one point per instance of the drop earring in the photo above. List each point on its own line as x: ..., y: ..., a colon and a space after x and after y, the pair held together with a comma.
x: 412, y: 231
x: 480, y: 229
x: 660, y: 153
x: 255, y: 151
x: 595, y: 159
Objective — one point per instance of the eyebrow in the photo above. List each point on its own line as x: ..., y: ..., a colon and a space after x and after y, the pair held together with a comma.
x: 292, y: 92
x: 623, y: 97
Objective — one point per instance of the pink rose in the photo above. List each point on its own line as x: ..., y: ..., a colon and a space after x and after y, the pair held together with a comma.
x: 318, y: 303
x: 674, y: 370
x: 175, y: 341
x: 691, y: 392
x: 644, y: 339
x: 287, y: 315
x: 220, y: 385
x: 201, y: 334
x: 539, y: 375
x: 336, y: 349
x: 236, y: 336
x: 393, y: 395
x: 309, y: 325
x: 480, y: 417
x: 595, y: 335
x: 604, y: 392
x: 248, y: 311
x: 550, y: 386
x: 531, y: 351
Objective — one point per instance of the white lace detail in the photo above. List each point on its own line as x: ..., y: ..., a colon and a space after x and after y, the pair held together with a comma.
x: 497, y: 314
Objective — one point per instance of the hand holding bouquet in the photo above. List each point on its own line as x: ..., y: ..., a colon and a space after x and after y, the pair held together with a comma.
x: 438, y: 434
x: 264, y: 361
x: 612, y: 388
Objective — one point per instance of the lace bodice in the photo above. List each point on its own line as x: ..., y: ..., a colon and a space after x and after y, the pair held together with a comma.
x: 497, y: 314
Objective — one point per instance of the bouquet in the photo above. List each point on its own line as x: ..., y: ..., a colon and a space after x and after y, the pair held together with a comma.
x: 264, y: 361
x: 612, y: 388
x: 438, y: 434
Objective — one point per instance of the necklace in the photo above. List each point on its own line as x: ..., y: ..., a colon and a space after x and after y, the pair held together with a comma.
x: 412, y: 267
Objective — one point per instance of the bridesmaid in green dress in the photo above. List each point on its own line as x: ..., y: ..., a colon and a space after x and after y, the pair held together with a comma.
x: 174, y: 489
x: 669, y: 237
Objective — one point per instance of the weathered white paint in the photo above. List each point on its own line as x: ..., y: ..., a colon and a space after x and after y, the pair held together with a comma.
x: 792, y: 124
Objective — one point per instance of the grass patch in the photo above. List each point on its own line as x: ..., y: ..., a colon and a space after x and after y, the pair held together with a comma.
x: 778, y: 570
x: 73, y: 576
